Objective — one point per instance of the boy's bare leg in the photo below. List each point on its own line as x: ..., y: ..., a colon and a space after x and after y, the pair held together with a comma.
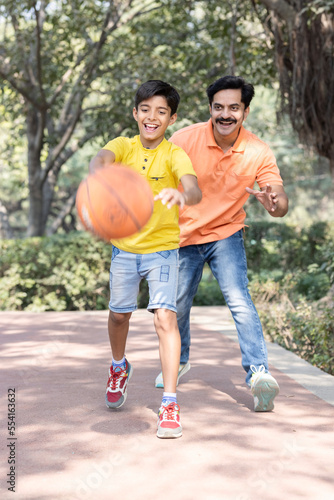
x: 119, y: 374
x: 118, y: 327
x: 169, y: 346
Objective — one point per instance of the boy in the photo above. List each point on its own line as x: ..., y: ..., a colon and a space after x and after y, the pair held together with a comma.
x: 153, y: 252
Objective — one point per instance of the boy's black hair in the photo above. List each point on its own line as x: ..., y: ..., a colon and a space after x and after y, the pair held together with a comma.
x: 158, y: 87
x: 232, y: 82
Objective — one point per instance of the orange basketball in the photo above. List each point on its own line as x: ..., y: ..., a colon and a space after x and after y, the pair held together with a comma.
x: 114, y: 202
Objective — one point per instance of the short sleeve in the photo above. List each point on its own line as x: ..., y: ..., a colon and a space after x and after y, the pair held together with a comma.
x: 181, y: 163
x: 118, y: 147
x: 268, y: 171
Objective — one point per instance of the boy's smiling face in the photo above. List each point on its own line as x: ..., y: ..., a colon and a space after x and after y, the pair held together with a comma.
x: 153, y: 117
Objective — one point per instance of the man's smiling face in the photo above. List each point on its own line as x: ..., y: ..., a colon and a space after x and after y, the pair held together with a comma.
x: 153, y: 117
x: 227, y: 113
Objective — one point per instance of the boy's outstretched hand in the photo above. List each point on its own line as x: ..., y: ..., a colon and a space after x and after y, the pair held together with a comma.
x: 190, y: 196
x: 171, y: 197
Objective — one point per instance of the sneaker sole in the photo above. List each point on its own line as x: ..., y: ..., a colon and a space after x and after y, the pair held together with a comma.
x: 121, y: 401
x: 264, y: 394
x: 169, y: 433
x: 185, y: 369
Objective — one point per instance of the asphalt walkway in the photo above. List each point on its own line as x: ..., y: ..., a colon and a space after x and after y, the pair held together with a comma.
x: 68, y: 445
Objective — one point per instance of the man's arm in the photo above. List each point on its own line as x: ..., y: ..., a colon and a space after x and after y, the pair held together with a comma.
x: 104, y: 158
x: 190, y: 196
x: 273, y: 198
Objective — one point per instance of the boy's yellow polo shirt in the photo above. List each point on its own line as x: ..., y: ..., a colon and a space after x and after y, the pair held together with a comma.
x: 162, y: 167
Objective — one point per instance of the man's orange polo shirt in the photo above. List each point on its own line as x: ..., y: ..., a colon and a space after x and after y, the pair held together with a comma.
x: 222, y: 177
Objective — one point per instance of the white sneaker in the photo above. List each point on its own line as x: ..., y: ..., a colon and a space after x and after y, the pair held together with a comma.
x: 264, y: 389
x: 182, y: 370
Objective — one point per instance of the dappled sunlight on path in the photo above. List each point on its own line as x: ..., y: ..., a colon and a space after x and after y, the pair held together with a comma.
x: 70, y: 446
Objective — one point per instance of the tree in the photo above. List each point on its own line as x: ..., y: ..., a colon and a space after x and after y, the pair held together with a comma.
x: 69, y: 70
x: 304, y: 43
x: 52, y: 58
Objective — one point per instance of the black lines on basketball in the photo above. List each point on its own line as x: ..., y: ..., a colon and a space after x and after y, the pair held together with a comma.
x: 114, y: 202
x: 114, y: 193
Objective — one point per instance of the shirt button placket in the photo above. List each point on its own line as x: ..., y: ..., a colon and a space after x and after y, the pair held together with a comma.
x: 144, y: 167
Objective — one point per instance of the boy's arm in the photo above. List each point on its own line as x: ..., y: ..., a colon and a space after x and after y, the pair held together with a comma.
x: 104, y: 158
x: 190, y: 196
x: 191, y: 190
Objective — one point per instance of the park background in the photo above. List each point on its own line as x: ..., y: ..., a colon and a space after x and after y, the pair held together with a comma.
x: 69, y: 71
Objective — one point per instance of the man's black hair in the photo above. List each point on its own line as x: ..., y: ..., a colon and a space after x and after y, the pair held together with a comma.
x: 158, y: 87
x: 232, y: 82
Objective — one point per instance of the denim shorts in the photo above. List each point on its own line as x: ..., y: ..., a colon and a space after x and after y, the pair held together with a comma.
x: 160, y: 269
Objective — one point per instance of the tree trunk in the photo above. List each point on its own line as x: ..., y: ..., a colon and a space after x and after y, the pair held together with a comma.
x: 234, y: 20
x: 331, y: 167
x: 304, y: 48
x: 36, y: 225
x: 48, y: 193
x: 5, y: 229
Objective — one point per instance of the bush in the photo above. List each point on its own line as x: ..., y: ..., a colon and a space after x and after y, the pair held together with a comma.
x: 271, y: 244
x: 313, y: 284
x: 264, y: 242
x: 62, y: 272
x: 307, y: 330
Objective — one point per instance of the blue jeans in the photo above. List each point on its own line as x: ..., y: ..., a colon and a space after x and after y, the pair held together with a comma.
x: 227, y: 261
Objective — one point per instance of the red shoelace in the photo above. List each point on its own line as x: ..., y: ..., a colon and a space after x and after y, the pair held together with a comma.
x: 115, y: 378
x: 168, y: 412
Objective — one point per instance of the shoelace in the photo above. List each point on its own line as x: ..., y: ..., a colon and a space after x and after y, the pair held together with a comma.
x: 115, y: 378
x: 257, y: 371
x: 169, y: 412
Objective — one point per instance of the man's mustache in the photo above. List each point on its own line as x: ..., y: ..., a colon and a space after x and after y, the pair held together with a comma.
x: 226, y: 120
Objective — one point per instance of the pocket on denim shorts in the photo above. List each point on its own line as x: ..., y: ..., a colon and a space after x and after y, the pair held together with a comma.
x: 164, y: 273
x: 164, y: 253
x: 114, y: 253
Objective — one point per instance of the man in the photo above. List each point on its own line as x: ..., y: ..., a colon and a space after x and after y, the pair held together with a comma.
x: 228, y: 160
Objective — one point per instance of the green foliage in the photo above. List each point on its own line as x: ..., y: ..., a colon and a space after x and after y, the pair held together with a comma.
x: 269, y: 245
x: 74, y: 71
x: 291, y: 283
x: 189, y: 43
x: 313, y: 284
x: 307, y: 330
x: 326, y: 255
x: 54, y: 274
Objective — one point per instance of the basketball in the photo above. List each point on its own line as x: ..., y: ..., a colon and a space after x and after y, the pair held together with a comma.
x: 114, y: 202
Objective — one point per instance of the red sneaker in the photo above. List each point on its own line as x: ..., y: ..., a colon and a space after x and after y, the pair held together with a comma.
x: 169, y: 421
x: 117, y: 385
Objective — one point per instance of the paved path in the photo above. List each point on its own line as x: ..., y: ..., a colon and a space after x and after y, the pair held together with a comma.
x: 70, y: 446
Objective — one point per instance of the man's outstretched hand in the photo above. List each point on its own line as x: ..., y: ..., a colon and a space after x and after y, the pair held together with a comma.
x: 267, y: 197
x: 275, y: 201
